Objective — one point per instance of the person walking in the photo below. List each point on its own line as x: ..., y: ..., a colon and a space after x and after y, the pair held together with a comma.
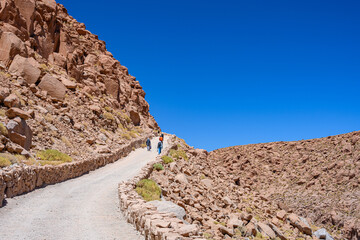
x: 159, y: 146
x: 148, y: 144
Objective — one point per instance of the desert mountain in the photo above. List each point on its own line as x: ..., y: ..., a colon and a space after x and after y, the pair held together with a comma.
x: 60, y: 88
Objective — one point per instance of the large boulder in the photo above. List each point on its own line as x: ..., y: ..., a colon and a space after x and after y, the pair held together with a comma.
x: 10, y: 46
x: 17, y: 112
x: 28, y: 68
x: 53, y: 87
x: 19, y: 132
x: 169, y: 207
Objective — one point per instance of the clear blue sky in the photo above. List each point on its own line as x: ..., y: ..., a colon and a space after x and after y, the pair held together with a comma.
x: 224, y: 73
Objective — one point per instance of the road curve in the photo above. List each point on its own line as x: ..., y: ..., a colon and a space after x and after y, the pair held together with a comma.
x: 82, y: 208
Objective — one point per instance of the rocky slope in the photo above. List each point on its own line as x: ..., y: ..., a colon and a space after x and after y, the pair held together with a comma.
x: 286, y: 190
x: 60, y: 88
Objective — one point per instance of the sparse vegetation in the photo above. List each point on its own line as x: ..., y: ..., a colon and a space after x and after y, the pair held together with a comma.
x: 2, y: 113
x: 158, y: 166
x: 109, y: 116
x: 4, y: 162
x: 148, y: 189
x: 66, y: 141
x: 177, y: 154
x: 45, y: 68
x: 143, y: 145
x: 126, y: 136
x: 108, y: 109
x: 53, y: 157
x: 167, y: 159
x: 49, y: 118
x: 3, y: 130
x: 7, y: 159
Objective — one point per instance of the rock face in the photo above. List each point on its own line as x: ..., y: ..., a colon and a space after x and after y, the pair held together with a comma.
x: 55, y: 75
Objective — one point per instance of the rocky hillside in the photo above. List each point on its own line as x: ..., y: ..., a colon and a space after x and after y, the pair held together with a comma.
x: 60, y: 88
x: 287, y: 190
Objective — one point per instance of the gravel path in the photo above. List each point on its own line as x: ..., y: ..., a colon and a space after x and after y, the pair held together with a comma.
x: 83, y: 208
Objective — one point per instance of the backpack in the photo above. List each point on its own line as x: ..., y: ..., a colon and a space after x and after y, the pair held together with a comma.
x: 161, y: 139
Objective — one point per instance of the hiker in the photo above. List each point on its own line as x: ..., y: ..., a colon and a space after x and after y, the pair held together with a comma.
x: 148, y: 144
x: 159, y: 146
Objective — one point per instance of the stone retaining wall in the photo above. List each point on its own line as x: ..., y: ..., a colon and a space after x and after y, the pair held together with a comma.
x: 23, y: 179
x: 144, y: 216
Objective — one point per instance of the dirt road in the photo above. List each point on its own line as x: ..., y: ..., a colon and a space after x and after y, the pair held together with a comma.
x: 83, y: 208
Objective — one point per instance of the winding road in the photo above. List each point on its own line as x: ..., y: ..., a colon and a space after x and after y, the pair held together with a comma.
x: 82, y: 208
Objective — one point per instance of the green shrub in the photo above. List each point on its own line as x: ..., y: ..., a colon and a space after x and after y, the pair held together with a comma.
x: 13, y: 158
x: 109, y: 116
x: 4, y: 162
x: 177, y: 154
x: 3, y: 129
x: 53, y: 157
x: 158, y: 166
x: 148, y: 189
x: 167, y: 159
x: 126, y: 136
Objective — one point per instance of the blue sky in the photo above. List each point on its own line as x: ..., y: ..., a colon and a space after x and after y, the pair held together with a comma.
x: 224, y: 73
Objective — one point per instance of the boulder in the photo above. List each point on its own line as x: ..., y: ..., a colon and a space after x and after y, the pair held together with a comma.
x: 20, y: 133
x: 323, y: 234
x: 300, y: 223
x: 28, y: 68
x: 181, y: 178
x: 68, y: 83
x: 4, y: 93
x: 188, y: 230
x: 265, y: 229
x: 12, y: 101
x: 281, y: 214
x: 10, y: 46
x: 53, y: 87
x: 207, y: 183
x: 167, y: 206
x: 226, y: 231
x: 16, y: 112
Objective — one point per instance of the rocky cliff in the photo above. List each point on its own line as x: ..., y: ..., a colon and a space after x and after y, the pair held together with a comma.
x: 60, y: 88
x: 286, y: 190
